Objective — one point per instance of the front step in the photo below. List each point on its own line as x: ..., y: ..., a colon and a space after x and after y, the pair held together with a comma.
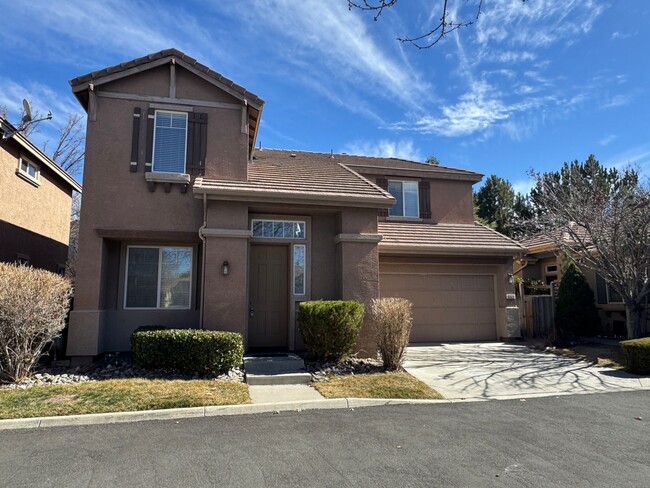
x: 275, y: 370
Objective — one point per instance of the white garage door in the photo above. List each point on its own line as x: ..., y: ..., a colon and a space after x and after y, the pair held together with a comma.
x: 446, y: 307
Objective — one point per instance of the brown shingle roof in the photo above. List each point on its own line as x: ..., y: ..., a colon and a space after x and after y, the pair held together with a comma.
x: 167, y: 53
x: 545, y: 241
x: 306, y: 180
x: 364, y: 163
x: 443, y: 239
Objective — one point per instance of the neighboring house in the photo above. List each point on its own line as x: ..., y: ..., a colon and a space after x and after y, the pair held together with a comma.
x: 544, y: 263
x: 35, y: 203
x: 185, y: 224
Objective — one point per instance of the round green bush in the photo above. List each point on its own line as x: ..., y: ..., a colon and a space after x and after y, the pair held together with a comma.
x: 637, y: 355
x: 330, y: 329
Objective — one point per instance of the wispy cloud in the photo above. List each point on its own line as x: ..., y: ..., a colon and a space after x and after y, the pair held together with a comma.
x: 523, y: 186
x: 607, y: 139
x: 617, y: 101
x: 402, y: 149
x: 636, y: 156
x: 350, y: 60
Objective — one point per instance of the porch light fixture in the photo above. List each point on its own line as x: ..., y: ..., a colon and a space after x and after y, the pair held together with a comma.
x: 511, y: 278
x: 225, y: 268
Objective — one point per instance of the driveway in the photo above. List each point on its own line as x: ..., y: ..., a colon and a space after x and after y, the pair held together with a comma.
x: 498, y: 370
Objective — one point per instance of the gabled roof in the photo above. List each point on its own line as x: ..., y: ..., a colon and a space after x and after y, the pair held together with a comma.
x: 445, y: 239
x: 299, y: 180
x: 38, y: 155
x: 371, y: 164
x: 81, y: 84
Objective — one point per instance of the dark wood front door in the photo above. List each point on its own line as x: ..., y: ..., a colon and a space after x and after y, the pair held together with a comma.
x: 267, y: 323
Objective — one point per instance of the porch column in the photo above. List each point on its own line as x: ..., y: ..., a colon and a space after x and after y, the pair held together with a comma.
x: 358, y: 265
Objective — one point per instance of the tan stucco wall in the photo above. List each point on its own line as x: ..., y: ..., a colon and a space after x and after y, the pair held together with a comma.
x: 43, y: 209
x: 451, y: 200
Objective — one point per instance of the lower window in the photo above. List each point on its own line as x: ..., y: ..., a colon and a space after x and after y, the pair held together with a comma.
x: 158, y: 277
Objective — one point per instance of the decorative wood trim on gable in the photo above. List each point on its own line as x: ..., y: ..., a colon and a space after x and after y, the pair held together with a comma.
x: 169, y: 100
x: 382, y: 183
x: 424, y: 192
x: 135, y: 139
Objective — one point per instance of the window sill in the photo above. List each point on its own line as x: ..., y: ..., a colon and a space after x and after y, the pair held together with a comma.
x: 404, y: 219
x: 28, y: 178
x: 182, y: 178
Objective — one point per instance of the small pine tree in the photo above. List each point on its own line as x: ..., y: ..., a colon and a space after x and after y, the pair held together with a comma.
x: 575, y: 311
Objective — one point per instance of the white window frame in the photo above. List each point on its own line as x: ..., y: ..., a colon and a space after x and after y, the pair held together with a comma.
x: 304, y: 270
x: 417, y: 193
x: 551, y: 271
x: 35, y: 180
x: 157, y: 307
x: 287, y: 221
x: 153, y: 149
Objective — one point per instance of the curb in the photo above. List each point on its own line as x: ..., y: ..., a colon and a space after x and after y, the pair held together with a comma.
x: 199, y: 412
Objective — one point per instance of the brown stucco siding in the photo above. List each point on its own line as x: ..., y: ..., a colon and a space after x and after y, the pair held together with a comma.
x: 43, y: 209
x: 43, y: 252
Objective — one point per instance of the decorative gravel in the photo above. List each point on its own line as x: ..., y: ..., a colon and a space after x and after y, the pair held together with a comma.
x: 113, y: 366
x: 350, y: 365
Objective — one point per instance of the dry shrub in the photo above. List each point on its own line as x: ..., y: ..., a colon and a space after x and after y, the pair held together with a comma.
x: 392, y: 322
x: 33, y: 307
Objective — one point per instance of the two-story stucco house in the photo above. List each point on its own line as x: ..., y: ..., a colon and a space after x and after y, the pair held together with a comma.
x: 185, y: 224
x: 35, y: 203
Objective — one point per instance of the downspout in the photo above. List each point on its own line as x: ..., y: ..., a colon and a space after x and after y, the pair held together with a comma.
x: 203, y: 240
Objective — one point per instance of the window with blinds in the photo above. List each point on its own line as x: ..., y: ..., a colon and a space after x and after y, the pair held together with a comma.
x: 158, y: 277
x: 169, y: 142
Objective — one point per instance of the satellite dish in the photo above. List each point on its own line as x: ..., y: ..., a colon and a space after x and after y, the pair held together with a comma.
x: 27, y: 117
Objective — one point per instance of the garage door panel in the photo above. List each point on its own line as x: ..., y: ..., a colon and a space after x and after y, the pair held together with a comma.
x: 446, y: 307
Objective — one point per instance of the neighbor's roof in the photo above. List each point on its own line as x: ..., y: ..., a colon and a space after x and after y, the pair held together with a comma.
x: 296, y: 179
x: 38, y: 155
x: 544, y: 242
x: 445, y: 239
x: 371, y: 164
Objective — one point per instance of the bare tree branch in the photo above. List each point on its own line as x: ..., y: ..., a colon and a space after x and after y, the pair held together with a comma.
x: 435, y: 34
x: 70, y: 151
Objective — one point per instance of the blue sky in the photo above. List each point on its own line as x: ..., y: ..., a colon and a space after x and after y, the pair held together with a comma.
x: 530, y: 85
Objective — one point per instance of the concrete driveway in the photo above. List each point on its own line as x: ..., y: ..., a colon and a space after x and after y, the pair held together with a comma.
x: 500, y: 371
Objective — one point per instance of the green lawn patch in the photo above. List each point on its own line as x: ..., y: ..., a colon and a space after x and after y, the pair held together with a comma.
x: 377, y: 385
x: 118, y: 396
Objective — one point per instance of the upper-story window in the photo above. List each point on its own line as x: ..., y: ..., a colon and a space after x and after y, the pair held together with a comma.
x: 406, y: 194
x: 29, y: 171
x: 170, y: 142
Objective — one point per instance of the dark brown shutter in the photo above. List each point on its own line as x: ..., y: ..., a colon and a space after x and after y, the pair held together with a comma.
x: 197, y: 143
x: 135, y: 139
x: 151, y: 120
x: 425, y: 199
x: 383, y: 184
x: 601, y: 289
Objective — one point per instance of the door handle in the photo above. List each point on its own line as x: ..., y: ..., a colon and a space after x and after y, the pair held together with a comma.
x: 251, y: 311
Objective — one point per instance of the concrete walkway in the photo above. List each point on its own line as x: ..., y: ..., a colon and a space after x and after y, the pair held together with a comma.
x: 283, y: 393
x: 497, y: 370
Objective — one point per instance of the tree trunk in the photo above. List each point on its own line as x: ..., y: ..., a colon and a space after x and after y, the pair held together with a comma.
x: 633, y: 319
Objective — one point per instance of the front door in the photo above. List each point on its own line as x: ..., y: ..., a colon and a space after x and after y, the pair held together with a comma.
x: 267, y: 323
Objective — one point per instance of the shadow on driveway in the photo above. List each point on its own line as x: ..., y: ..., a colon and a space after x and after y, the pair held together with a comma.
x: 498, y: 370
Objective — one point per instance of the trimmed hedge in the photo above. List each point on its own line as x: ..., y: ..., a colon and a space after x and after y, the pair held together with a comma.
x: 637, y: 355
x: 330, y: 328
x: 187, y: 350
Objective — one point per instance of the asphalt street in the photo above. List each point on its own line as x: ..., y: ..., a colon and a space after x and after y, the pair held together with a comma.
x: 569, y: 441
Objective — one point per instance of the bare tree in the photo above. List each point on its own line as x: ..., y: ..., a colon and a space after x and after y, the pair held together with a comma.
x: 600, y: 219
x: 435, y: 33
x: 69, y: 151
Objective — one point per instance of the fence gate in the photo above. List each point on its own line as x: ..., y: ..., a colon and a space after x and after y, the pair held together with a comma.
x: 539, y: 316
